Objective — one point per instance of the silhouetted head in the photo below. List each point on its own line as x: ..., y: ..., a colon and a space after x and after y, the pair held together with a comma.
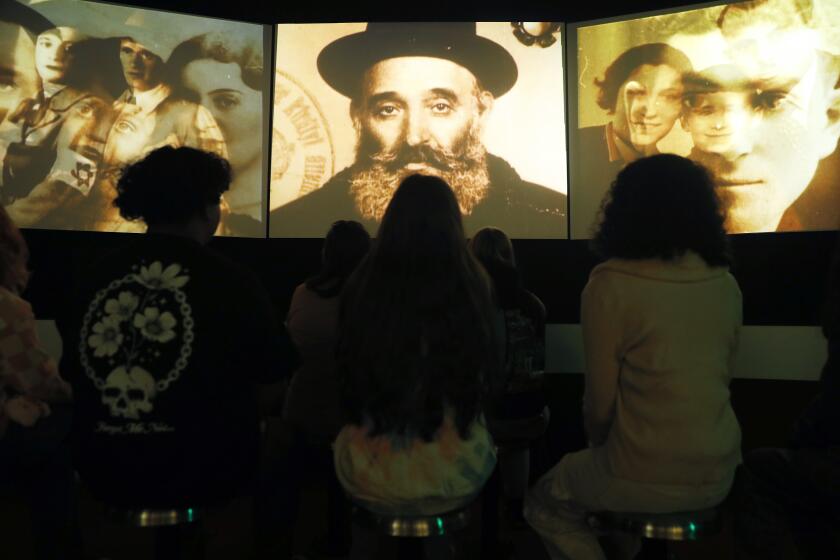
x: 660, y: 207
x: 346, y: 244
x: 173, y: 187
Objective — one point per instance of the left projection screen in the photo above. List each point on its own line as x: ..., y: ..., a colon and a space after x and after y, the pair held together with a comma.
x: 358, y: 107
x: 89, y: 88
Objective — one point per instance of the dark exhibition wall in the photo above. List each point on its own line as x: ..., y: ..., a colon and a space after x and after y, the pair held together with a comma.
x: 782, y: 275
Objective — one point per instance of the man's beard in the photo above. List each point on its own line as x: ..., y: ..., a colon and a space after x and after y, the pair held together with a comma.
x: 376, y: 175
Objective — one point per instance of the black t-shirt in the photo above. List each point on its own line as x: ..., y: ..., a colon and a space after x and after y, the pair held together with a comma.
x: 164, y: 344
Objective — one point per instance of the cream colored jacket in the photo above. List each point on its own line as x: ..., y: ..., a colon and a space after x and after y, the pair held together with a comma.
x: 659, y: 340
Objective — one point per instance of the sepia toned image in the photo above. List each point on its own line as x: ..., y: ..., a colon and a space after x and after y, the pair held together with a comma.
x: 358, y: 107
x: 93, y: 87
x: 750, y: 90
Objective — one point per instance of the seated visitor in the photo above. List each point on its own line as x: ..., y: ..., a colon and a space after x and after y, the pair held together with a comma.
x: 313, y: 324
x: 165, y: 345
x: 522, y: 398
x: 416, y: 352
x: 789, y: 505
x: 524, y: 322
x: 312, y: 407
x: 33, y: 455
x: 660, y: 320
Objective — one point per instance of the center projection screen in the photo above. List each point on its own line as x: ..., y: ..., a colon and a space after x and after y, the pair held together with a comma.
x: 358, y: 107
x: 88, y: 88
x: 749, y: 89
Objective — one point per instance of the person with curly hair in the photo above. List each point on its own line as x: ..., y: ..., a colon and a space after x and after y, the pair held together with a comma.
x: 224, y: 73
x: 661, y: 320
x: 167, y: 343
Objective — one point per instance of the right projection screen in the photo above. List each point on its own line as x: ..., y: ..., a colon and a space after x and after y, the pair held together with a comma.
x: 748, y: 89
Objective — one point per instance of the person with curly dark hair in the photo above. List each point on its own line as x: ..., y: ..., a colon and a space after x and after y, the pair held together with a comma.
x: 661, y: 320
x: 642, y: 92
x: 166, y: 345
x: 417, y: 351
x: 224, y: 73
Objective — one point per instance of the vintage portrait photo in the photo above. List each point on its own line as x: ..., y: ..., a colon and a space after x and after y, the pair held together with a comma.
x: 358, y: 107
x: 749, y: 89
x: 91, y: 87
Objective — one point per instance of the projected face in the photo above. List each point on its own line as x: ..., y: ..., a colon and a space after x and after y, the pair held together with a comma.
x: 236, y: 107
x: 54, y: 53
x: 18, y: 78
x: 650, y: 102
x: 86, y: 127
x: 717, y: 120
x: 419, y: 115
x: 418, y: 101
x: 141, y: 67
x: 786, y: 122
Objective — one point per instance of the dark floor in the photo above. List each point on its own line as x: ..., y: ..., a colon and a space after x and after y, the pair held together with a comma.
x: 765, y: 409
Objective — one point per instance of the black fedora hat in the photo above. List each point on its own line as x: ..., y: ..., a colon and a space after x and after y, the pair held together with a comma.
x: 343, y: 62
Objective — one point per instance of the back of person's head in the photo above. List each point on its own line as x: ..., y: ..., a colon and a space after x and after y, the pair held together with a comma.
x: 170, y: 186
x: 13, y: 255
x: 494, y: 250
x: 491, y: 244
x: 416, y: 332
x: 346, y: 244
x: 659, y: 207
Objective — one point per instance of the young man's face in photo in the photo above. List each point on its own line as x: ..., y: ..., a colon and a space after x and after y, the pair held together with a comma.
x: 141, y: 67
x: 649, y: 103
x: 54, y: 53
x: 785, y: 128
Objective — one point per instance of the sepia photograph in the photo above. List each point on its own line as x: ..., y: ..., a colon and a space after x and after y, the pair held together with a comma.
x: 749, y: 90
x: 359, y: 107
x: 94, y: 87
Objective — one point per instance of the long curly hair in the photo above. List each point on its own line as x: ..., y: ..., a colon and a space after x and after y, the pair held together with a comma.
x: 416, y: 338
x: 13, y: 255
x: 660, y: 207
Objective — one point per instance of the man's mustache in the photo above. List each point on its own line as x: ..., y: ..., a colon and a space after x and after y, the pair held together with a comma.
x: 423, y: 154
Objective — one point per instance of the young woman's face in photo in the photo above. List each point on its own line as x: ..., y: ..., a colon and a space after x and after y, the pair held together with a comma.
x: 54, y: 53
x: 236, y: 107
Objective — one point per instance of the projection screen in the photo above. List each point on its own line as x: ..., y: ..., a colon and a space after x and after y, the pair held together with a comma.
x: 358, y: 107
x: 91, y: 87
x: 747, y: 89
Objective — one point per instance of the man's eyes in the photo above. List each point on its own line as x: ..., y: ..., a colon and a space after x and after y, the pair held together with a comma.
x: 441, y: 108
x: 770, y: 100
x: 387, y: 110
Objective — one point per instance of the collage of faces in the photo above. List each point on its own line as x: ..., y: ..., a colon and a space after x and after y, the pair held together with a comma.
x: 91, y: 87
x: 747, y: 89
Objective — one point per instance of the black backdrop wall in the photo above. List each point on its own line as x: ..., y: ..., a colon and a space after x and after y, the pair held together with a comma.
x: 782, y: 276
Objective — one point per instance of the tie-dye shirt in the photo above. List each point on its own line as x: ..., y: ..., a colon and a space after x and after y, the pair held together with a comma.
x: 409, y: 476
